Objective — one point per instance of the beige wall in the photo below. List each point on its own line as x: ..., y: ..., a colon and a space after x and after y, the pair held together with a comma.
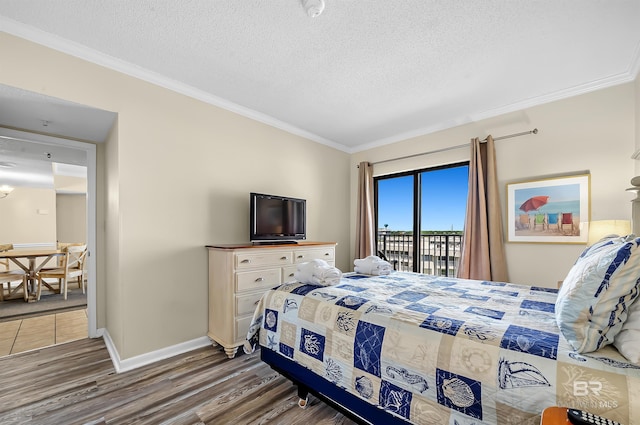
x: 71, y: 221
x: 593, y: 132
x: 177, y: 176
x: 637, y: 123
x: 28, y: 216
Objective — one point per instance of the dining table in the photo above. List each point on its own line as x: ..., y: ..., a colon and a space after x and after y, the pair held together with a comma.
x: 31, y: 261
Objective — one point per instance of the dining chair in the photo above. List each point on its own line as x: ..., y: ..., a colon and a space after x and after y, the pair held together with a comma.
x: 5, y: 261
x: 72, y: 266
x: 7, y: 276
x: 60, y: 246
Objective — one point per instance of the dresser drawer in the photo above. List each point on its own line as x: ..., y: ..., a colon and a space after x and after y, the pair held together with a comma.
x: 247, y: 260
x: 327, y: 254
x: 246, y: 304
x: 242, y: 327
x: 258, y: 279
x: 287, y: 273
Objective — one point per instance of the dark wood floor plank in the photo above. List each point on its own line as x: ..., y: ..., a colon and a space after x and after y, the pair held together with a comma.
x: 75, y: 383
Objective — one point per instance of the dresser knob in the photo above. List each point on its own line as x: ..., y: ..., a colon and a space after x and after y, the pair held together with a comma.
x: 245, y: 261
x: 260, y: 279
x: 283, y: 258
x: 300, y: 256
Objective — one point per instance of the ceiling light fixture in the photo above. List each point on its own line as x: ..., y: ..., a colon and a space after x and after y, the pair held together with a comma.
x: 313, y: 8
x: 5, y: 191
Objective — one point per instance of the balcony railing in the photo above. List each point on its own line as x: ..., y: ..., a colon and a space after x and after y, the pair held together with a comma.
x: 439, y: 253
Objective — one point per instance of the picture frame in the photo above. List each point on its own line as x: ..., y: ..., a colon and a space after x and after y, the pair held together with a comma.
x: 549, y: 210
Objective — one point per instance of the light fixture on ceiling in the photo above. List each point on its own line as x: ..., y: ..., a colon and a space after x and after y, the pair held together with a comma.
x: 313, y: 8
x: 5, y: 191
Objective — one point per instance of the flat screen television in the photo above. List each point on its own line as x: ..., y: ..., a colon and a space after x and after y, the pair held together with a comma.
x: 277, y: 219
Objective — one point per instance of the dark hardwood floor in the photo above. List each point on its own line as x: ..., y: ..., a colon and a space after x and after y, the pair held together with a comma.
x: 75, y: 383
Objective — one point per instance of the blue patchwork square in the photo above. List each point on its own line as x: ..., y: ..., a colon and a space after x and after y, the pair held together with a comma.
x: 459, y: 393
x: 410, y: 296
x: 312, y: 344
x: 395, y: 399
x: 442, y: 283
x: 351, y: 302
x: 357, y: 276
x: 538, y: 305
x: 507, y: 293
x: 488, y: 283
x: 422, y: 308
x: 367, y: 347
x: 270, y: 319
x: 286, y: 350
x: 532, y: 341
x: 305, y: 289
x: 474, y: 297
x: 352, y: 288
x: 494, y: 314
x: 455, y: 290
x: 541, y: 289
x: 441, y: 324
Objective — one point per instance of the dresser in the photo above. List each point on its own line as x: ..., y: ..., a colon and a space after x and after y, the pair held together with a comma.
x: 240, y: 274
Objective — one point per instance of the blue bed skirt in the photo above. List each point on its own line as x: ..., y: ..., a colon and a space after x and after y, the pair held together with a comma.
x: 351, y: 406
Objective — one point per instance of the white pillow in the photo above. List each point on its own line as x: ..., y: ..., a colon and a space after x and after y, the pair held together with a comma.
x: 628, y: 339
x: 593, y: 300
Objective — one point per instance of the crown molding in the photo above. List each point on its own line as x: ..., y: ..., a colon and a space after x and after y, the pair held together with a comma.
x: 85, y: 53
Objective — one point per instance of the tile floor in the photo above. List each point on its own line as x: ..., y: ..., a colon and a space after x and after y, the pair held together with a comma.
x: 17, y: 336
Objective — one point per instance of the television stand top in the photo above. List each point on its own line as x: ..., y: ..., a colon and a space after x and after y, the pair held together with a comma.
x: 274, y: 242
x: 268, y: 245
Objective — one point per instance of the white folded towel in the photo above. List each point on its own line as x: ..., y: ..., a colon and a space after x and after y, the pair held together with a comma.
x: 317, y: 272
x: 372, y: 265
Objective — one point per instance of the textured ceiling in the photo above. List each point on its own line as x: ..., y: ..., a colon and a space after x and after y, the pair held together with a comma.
x: 362, y: 74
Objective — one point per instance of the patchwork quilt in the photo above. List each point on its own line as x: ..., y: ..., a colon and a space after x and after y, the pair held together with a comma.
x: 442, y: 350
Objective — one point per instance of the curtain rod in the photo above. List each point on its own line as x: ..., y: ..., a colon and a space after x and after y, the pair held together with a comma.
x: 465, y: 145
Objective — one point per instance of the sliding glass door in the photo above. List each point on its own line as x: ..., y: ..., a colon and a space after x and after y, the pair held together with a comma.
x: 420, y: 218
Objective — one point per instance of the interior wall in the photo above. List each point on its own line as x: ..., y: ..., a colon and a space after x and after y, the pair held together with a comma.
x: 110, y: 292
x: 178, y: 173
x: 637, y: 123
x: 71, y: 218
x: 593, y: 132
x: 28, y: 217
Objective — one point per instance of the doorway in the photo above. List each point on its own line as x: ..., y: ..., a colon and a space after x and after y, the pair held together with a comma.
x: 48, y: 149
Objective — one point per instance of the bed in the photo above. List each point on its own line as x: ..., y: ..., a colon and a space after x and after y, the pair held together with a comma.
x: 420, y: 349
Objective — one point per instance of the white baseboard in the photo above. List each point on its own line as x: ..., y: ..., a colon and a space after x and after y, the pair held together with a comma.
x: 151, y: 357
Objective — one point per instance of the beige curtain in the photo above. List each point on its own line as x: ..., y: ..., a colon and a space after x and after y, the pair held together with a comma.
x: 483, y: 255
x: 365, y: 226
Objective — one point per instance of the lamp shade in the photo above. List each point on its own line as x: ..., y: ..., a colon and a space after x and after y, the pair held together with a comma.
x: 601, y: 228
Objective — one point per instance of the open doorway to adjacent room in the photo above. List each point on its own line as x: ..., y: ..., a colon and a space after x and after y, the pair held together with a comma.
x: 48, y: 158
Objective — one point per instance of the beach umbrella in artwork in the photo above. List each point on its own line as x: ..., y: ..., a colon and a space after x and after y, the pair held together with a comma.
x: 532, y: 204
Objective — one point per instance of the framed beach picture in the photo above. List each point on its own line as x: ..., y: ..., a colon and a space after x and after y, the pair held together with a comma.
x: 551, y: 210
